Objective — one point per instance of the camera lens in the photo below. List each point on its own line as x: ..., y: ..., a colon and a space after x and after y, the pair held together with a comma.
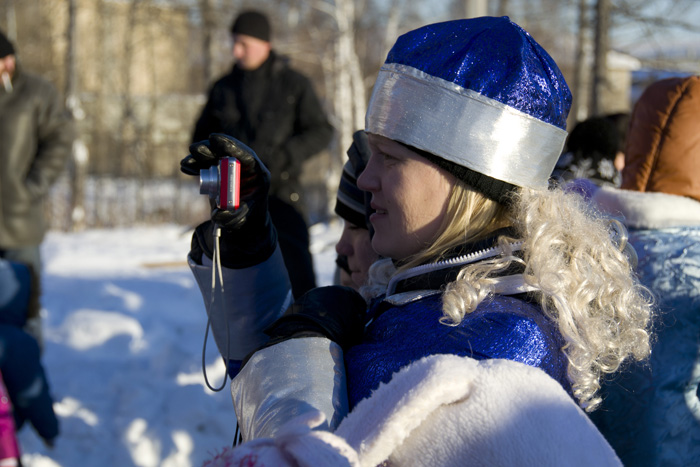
x: 209, y: 182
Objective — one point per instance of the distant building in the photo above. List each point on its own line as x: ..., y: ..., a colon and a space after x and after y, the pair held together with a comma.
x: 615, y: 93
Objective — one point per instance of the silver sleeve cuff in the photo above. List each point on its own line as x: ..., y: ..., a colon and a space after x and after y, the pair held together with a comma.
x: 285, y: 380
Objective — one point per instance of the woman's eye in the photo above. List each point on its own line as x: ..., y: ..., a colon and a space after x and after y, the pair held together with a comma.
x: 389, y: 159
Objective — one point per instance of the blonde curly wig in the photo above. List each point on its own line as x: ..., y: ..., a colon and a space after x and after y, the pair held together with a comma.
x: 585, y: 283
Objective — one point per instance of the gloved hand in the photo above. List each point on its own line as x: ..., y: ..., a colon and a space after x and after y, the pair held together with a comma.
x: 297, y: 443
x: 334, y: 312
x: 248, y: 236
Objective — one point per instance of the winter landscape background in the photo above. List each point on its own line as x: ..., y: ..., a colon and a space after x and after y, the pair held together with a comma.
x: 124, y: 327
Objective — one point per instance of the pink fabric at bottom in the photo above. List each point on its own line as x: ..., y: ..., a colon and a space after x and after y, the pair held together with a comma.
x: 9, y: 448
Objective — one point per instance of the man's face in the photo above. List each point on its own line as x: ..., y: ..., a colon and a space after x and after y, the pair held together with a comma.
x: 250, y: 52
x: 7, y: 65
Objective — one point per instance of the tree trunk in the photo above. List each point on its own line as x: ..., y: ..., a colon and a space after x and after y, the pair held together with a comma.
x: 208, y: 28
x: 599, y: 81
x: 475, y: 8
x: 579, y: 109
x: 77, y: 164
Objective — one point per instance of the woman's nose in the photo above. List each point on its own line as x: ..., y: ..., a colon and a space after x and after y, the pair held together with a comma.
x: 368, y: 180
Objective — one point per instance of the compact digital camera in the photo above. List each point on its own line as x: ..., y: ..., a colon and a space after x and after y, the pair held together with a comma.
x: 222, y: 183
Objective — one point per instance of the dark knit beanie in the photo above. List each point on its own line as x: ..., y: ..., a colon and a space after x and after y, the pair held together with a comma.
x: 490, y: 187
x: 252, y: 23
x: 596, y: 135
x: 352, y: 203
x: 6, y: 47
x: 590, y: 153
x: 350, y: 200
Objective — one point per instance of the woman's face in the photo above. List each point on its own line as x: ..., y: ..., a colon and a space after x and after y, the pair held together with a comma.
x: 356, y: 245
x: 410, y: 196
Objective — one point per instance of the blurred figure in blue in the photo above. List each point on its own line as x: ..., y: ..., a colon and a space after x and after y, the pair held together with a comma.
x: 20, y: 363
x: 651, y: 414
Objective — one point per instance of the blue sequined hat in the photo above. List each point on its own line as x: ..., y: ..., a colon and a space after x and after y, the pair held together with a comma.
x: 479, y: 94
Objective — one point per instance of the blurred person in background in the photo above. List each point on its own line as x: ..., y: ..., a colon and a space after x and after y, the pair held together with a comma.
x: 272, y: 108
x: 354, y: 248
x: 36, y: 138
x: 621, y: 120
x: 651, y: 413
x: 591, y: 152
x: 20, y: 360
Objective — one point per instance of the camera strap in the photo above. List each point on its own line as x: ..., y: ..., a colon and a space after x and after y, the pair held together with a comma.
x: 216, y: 270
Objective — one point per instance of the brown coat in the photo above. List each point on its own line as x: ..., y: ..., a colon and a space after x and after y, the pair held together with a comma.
x: 663, y: 143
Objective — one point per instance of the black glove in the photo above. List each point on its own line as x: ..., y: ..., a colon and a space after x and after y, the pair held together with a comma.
x: 247, y: 234
x: 335, y: 312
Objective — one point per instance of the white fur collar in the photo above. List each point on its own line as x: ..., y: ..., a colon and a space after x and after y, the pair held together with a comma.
x: 453, y: 411
x: 648, y: 210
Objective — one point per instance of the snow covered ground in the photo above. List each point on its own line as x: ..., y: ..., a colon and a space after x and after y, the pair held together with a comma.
x: 124, y: 330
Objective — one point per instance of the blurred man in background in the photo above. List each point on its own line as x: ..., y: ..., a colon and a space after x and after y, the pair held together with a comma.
x: 273, y: 109
x: 36, y: 138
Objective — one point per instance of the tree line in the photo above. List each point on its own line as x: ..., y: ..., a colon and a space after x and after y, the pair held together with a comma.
x: 135, y: 74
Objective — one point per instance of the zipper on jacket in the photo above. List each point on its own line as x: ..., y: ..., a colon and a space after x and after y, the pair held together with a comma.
x: 463, y: 260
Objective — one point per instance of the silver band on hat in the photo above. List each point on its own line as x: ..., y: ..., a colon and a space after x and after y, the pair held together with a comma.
x: 462, y: 126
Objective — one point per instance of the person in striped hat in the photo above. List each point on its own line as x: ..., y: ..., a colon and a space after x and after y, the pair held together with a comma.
x: 500, y: 303
x: 354, y: 248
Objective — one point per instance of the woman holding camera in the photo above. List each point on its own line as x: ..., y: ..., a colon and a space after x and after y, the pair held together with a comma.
x: 500, y: 301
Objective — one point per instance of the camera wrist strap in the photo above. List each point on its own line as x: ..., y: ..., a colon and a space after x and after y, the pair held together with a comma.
x: 216, y: 269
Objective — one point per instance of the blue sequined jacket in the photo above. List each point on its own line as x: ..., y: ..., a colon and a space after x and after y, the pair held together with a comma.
x: 405, y: 327
x: 408, y: 328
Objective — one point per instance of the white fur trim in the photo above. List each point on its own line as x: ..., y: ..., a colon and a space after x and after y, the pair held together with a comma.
x: 647, y: 210
x: 454, y: 411
x: 381, y: 423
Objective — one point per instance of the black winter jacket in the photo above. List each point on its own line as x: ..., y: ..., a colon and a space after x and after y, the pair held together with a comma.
x: 276, y: 112
x: 36, y: 138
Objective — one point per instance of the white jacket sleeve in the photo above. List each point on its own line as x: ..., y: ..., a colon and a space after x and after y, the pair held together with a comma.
x: 289, y: 379
x: 252, y: 299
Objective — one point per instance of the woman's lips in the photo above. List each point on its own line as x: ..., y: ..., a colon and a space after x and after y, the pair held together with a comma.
x: 376, y: 215
x: 377, y: 209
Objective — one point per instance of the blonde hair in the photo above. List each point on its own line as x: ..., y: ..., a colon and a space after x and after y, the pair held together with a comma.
x: 480, y: 216
x: 585, y: 283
